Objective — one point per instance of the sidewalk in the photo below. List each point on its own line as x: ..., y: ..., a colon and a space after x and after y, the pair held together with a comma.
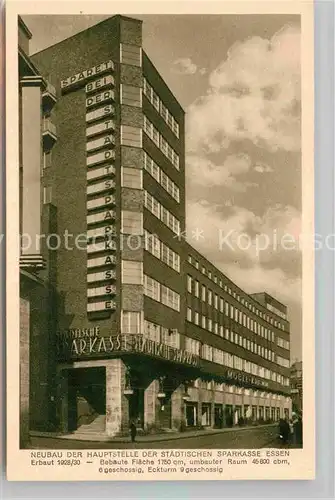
x: 150, y: 438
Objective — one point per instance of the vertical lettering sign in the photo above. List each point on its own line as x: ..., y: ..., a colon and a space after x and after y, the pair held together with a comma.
x: 100, y: 157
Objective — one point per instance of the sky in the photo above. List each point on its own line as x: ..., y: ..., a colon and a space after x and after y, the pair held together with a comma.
x: 238, y: 79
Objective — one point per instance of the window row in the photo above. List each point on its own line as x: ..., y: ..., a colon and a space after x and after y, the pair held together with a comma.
x: 233, y: 293
x: 283, y: 343
x: 160, y: 142
x: 159, y: 106
x: 157, y: 248
x: 212, y: 299
x: 159, y: 211
x: 158, y: 333
x: 211, y: 353
x: 283, y: 362
x: 160, y: 176
x: 161, y: 293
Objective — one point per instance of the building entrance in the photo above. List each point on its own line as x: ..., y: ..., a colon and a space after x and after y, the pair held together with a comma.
x: 86, y: 397
x: 191, y: 414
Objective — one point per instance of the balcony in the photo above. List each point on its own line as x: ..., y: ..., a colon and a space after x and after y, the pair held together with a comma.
x: 32, y: 262
x: 49, y: 134
x: 49, y: 97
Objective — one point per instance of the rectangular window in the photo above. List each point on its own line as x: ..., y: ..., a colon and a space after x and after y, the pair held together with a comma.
x: 131, y: 136
x: 152, y: 244
x: 152, y: 204
x: 131, y: 96
x: 216, y: 301
x: 132, y: 272
x: 170, y: 257
x: 47, y: 195
x: 189, y: 314
x: 130, y: 54
x: 151, y: 288
x: 203, y: 322
x: 47, y: 158
x: 131, y: 322
x: 196, y: 288
x: 189, y: 284
x: 196, y: 318
x: 151, y: 167
x: 203, y: 293
x: 210, y: 297
x: 131, y: 178
x: 210, y: 325
x: 221, y: 305
x: 152, y: 331
x: 131, y: 222
x: 170, y: 298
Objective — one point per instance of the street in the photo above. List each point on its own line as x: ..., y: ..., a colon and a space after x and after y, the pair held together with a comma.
x: 254, y: 437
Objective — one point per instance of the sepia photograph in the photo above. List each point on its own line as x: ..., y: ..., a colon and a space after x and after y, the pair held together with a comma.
x: 160, y: 188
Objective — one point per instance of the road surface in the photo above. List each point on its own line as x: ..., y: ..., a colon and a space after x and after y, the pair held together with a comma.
x: 254, y: 437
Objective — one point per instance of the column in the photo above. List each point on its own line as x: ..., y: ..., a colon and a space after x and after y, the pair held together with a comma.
x: 31, y: 122
x: 24, y: 370
x: 63, y: 400
x: 117, y: 409
x: 150, y: 404
x: 178, y: 408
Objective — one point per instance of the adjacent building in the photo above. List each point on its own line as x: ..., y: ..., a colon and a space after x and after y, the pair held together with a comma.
x: 141, y: 326
x: 296, y: 386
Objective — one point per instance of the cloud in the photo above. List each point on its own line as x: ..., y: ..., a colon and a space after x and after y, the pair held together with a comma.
x: 262, y: 168
x: 253, y: 94
x: 202, y: 171
x: 184, y: 66
x: 248, y: 247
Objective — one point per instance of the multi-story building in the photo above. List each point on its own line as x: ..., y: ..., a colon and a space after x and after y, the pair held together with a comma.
x: 147, y: 329
x: 37, y: 318
x: 296, y: 386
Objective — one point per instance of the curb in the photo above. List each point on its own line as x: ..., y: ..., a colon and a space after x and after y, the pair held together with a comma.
x: 153, y: 440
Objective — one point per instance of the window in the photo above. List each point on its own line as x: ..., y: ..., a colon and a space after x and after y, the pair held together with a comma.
x: 131, y: 222
x: 203, y: 321
x: 169, y: 186
x: 151, y: 288
x: 130, y: 54
x: 152, y: 331
x: 210, y: 325
x: 131, y: 136
x: 207, y: 352
x: 152, y: 244
x: 152, y: 204
x: 151, y: 167
x: 189, y: 314
x: 196, y: 318
x: 132, y: 272
x: 216, y: 301
x: 170, y: 258
x: 189, y: 284
x: 47, y: 158
x: 221, y: 305
x: 210, y: 297
x: 192, y: 345
x: 203, y: 293
x: 196, y: 288
x: 216, y: 328
x: 131, y: 178
x: 170, y: 298
x: 47, y: 195
x: 132, y: 96
x: 131, y: 322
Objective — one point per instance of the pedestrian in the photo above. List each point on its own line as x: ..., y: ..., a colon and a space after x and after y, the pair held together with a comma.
x: 133, y: 431
x: 284, y: 431
x: 297, y: 431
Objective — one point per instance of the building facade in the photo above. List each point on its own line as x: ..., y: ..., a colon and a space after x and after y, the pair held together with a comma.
x: 296, y: 386
x: 145, y: 328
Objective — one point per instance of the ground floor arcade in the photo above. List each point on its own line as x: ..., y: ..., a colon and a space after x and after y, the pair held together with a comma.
x: 106, y: 395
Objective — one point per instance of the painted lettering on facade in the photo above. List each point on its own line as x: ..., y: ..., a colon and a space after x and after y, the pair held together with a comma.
x: 83, y: 346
